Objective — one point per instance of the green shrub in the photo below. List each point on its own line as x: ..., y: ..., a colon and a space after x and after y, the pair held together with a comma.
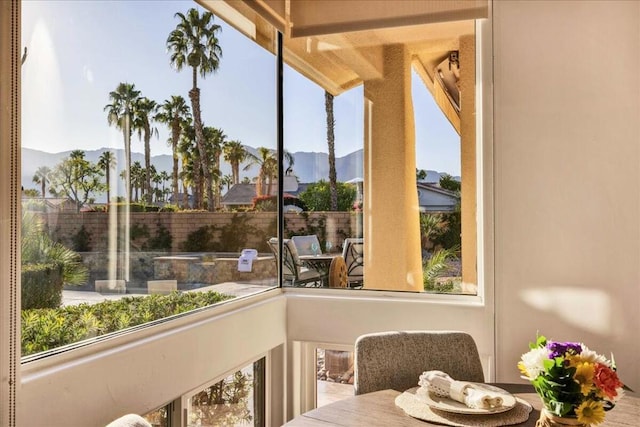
x: 200, y: 240
x: 44, y: 329
x: 41, y: 286
x: 161, y: 241
x: 82, y: 240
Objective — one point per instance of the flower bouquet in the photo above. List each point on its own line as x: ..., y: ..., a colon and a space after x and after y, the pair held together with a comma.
x: 574, y: 383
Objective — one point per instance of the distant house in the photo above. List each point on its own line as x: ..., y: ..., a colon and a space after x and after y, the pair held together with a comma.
x: 179, y: 200
x: 52, y: 204
x: 239, y: 196
x: 433, y: 199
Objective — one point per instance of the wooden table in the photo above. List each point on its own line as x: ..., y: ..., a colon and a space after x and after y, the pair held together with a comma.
x: 379, y: 409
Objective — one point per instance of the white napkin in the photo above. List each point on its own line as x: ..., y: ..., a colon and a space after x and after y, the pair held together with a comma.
x: 442, y: 385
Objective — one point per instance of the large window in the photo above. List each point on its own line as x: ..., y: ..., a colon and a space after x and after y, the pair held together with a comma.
x: 148, y: 136
x: 380, y: 133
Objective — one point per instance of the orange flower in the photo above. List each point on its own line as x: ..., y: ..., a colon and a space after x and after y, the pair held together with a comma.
x: 606, y: 380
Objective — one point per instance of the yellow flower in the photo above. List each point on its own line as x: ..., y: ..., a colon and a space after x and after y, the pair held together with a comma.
x: 590, y: 412
x: 523, y: 370
x: 584, y: 376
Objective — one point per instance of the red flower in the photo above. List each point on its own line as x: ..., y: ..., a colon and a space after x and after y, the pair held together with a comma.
x: 606, y: 380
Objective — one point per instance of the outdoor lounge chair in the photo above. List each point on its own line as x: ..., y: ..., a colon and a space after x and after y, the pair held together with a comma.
x: 396, y: 359
x: 353, y: 254
x: 293, y: 272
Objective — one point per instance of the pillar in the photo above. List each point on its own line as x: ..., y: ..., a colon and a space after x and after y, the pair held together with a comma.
x: 391, y: 213
x: 468, y: 202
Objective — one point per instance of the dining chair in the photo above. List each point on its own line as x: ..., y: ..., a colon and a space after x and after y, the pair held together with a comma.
x: 292, y: 269
x: 396, y: 359
x: 353, y: 254
x: 307, y: 244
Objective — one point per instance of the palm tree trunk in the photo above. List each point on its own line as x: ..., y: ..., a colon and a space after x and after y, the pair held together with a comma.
x: 147, y: 163
x: 107, y: 175
x: 126, y: 130
x: 333, y: 185
x: 194, y: 94
x: 175, y: 136
x: 235, y: 171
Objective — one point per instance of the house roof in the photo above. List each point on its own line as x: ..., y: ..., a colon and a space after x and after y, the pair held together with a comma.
x: 239, y: 195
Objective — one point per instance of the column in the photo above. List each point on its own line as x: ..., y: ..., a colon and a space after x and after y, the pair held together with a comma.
x: 391, y: 216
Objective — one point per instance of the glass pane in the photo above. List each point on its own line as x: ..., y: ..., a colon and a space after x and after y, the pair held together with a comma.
x: 393, y: 113
x: 238, y: 400
x: 159, y: 417
x: 335, y: 375
x: 130, y: 172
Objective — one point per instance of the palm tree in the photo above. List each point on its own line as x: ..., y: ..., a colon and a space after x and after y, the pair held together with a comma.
x: 145, y: 109
x: 190, y: 157
x: 164, y: 177
x: 194, y: 43
x: 174, y: 112
x: 268, y: 165
x: 234, y: 153
x: 119, y: 113
x: 216, y: 141
x: 137, y: 176
x: 106, y: 162
x: 42, y: 177
x: 333, y: 185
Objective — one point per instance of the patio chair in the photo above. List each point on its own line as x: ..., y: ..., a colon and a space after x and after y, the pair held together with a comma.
x: 353, y: 254
x: 304, y: 244
x: 395, y: 360
x: 293, y: 271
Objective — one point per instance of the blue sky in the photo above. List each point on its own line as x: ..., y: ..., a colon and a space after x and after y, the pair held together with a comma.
x: 80, y: 50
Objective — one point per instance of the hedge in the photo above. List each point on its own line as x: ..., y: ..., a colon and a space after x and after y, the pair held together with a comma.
x: 46, y: 328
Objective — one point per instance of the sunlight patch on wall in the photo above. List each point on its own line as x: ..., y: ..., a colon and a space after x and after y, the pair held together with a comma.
x: 588, y: 309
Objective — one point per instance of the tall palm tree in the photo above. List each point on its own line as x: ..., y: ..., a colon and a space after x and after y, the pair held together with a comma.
x: 234, y: 153
x: 145, y: 110
x: 119, y: 113
x: 106, y: 162
x: 194, y: 43
x: 41, y: 177
x: 174, y: 112
x: 333, y: 184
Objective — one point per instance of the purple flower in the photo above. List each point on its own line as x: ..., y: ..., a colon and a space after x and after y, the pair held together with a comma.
x: 559, y: 349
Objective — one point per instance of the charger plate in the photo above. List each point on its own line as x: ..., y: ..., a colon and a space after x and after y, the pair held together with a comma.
x: 450, y: 405
x: 416, y: 407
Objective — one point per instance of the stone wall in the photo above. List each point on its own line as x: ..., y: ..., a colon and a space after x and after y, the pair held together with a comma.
x: 329, y: 226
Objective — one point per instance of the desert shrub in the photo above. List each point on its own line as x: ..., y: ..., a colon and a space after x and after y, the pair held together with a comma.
x: 41, y: 286
x: 449, y: 235
x: 82, y: 240
x: 435, y: 265
x: 200, y: 240
x: 162, y: 240
x: 44, y: 329
x: 169, y: 208
x: 39, y: 248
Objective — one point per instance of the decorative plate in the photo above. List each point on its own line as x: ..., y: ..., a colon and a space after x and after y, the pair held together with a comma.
x: 450, y: 405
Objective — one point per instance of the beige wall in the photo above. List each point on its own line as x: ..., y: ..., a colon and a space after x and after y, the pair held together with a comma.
x: 567, y: 178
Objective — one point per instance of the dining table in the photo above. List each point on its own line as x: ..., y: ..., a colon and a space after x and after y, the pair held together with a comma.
x: 379, y: 409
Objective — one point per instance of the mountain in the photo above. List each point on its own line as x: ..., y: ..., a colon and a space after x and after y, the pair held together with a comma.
x: 308, y: 166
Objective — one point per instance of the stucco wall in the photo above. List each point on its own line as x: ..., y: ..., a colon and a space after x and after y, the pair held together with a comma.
x: 567, y: 178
